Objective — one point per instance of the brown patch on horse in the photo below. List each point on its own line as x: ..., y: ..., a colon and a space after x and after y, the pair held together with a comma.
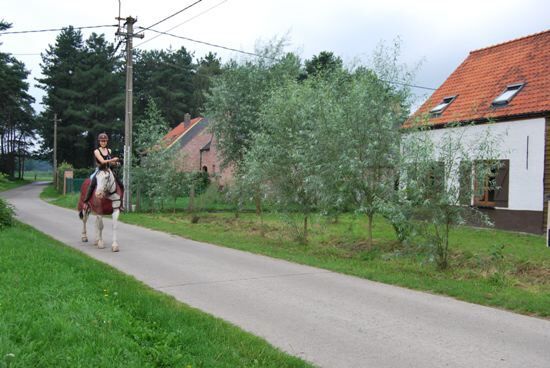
x: 98, y: 206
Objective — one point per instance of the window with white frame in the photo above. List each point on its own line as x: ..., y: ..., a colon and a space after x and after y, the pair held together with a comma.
x: 507, y: 95
x: 439, y: 108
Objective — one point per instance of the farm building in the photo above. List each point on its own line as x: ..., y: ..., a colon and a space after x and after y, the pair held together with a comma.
x: 505, y: 88
x: 199, y: 148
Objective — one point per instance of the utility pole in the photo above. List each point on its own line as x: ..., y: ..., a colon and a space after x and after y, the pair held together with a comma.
x: 55, y: 120
x: 129, y: 35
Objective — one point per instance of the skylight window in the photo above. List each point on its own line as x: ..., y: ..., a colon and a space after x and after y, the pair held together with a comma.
x: 506, y: 96
x: 437, y: 110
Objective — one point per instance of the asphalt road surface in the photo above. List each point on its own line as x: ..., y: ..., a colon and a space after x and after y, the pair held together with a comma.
x: 329, y: 319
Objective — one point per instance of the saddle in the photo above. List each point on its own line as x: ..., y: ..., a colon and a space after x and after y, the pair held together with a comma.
x: 102, y: 206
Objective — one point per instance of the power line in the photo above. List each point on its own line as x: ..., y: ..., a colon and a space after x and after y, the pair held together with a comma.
x: 170, y: 16
x: 187, y: 21
x: 409, y: 85
x: 213, y: 45
x: 56, y: 29
x: 185, y: 38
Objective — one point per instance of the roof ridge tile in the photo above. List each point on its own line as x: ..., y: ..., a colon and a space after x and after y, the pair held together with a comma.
x: 509, y: 41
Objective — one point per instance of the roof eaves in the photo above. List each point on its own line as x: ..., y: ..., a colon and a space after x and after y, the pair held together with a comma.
x: 481, y: 120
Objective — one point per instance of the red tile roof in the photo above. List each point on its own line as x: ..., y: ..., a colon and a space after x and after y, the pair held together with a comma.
x: 179, y: 131
x: 486, y: 73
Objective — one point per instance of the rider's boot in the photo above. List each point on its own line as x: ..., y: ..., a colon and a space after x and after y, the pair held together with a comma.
x: 89, y: 192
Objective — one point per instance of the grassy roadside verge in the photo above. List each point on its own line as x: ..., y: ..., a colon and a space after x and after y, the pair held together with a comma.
x: 11, y: 184
x: 60, y: 308
x: 490, y: 267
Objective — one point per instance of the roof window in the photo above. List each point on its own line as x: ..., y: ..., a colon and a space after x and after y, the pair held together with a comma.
x: 506, y: 96
x: 437, y: 110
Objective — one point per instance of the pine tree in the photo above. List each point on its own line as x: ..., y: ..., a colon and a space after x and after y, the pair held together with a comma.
x: 83, y: 84
x: 103, y: 97
x: 208, y: 68
x: 61, y: 67
x: 166, y: 77
x: 324, y: 63
x: 16, y: 112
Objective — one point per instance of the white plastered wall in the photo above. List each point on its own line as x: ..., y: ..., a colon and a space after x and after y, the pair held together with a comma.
x: 526, y: 171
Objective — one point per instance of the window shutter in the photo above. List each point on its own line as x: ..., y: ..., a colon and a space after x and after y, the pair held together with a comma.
x: 501, y: 195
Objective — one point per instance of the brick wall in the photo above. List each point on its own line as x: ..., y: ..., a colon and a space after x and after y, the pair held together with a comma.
x: 191, y: 158
x: 212, y: 161
x: 190, y: 153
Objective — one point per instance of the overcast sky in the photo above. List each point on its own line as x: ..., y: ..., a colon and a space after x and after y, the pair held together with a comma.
x: 440, y: 34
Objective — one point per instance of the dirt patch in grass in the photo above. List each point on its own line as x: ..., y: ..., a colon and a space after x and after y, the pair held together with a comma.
x: 533, y: 273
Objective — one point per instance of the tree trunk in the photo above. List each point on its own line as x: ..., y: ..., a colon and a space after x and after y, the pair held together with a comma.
x: 258, y: 202
x: 191, y: 206
x: 262, y: 227
x: 138, y: 198
x: 23, y: 167
x: 370, y: 230
x: 446, y: 250
x: 305, y: 228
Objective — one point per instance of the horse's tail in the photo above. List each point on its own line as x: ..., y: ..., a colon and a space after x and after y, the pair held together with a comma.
x: 85, y: 210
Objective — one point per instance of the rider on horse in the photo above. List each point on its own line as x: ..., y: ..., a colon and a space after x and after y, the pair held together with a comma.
x: 103, y: 161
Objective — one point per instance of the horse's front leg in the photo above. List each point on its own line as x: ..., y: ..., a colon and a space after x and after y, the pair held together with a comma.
x: 114, y: 247
x: 84, y: 235
x: 99, y: 232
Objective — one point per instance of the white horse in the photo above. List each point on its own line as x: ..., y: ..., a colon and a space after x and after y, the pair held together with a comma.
x: 107, y: 196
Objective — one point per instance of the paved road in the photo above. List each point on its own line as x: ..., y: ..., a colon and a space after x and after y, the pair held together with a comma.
x: 326, y: 318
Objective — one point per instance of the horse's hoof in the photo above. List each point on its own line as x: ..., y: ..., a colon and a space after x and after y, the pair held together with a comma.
x: 100, y: 244
x: 84, y: 239
x: 114, y: 248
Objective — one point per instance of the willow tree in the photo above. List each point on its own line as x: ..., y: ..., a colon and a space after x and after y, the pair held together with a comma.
x: 284, y: 155
x: 237, y: 97
x: 441, y: 174
x: 238, y: 94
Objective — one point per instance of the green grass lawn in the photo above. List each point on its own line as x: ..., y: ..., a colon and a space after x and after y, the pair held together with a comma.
x: 491, y: 267
x: 60, y: 308
x: 28, y: 178
x: 38, y: 175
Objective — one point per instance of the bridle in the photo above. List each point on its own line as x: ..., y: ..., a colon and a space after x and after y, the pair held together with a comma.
x: 109, y: 188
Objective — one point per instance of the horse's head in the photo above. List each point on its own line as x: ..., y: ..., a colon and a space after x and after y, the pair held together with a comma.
x: 106, y: 184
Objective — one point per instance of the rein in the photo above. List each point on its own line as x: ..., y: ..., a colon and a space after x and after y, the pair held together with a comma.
x: 110, y: 182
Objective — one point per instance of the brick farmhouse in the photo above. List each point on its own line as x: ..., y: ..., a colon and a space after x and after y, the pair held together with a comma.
x: 198, y: 148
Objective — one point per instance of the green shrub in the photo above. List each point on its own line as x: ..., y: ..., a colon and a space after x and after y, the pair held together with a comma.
x: 4, y: 178
x: 60, y: 172
x: 83, y: 173
x: 209, y: 198
x: 6, y: 214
